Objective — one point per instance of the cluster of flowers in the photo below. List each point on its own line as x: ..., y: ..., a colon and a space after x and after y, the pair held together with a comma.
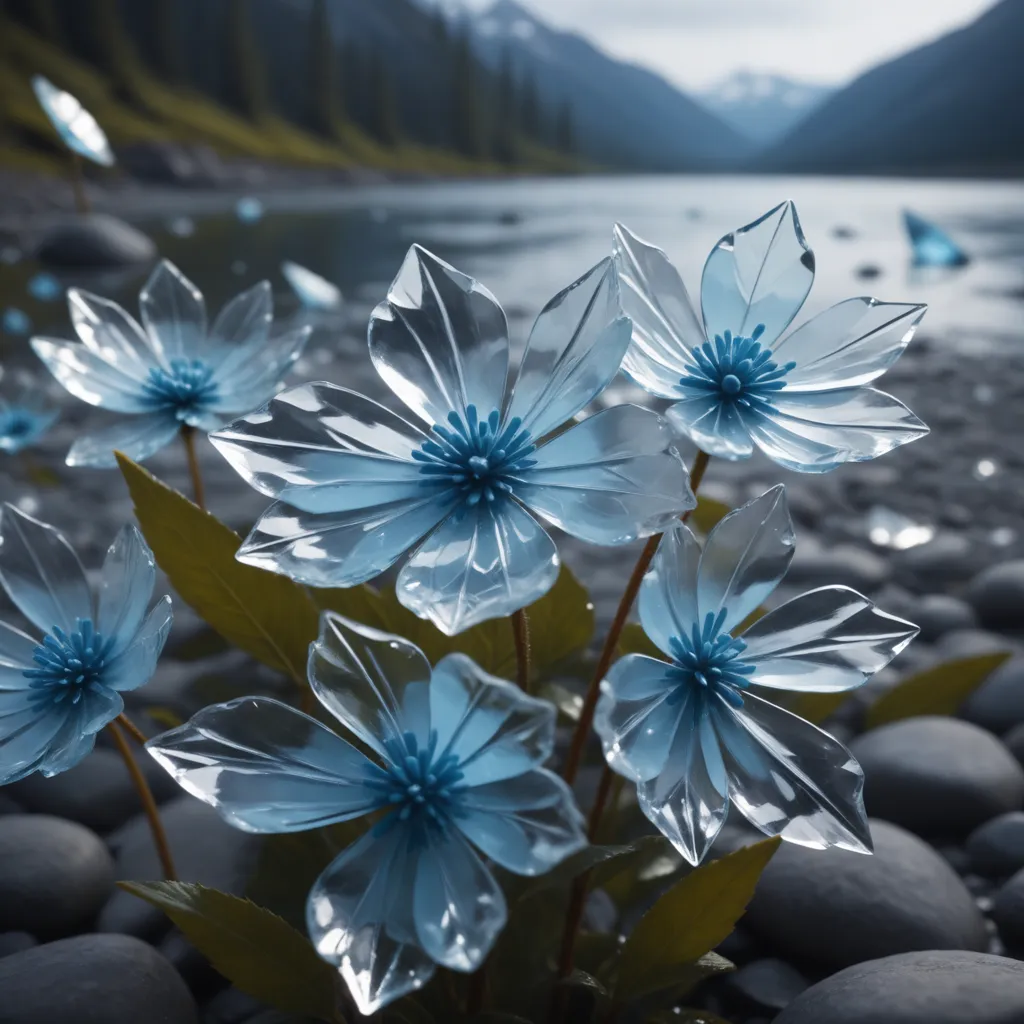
x: 446, y: 761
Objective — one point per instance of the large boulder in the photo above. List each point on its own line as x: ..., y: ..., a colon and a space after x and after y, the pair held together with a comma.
x: 95, y: 241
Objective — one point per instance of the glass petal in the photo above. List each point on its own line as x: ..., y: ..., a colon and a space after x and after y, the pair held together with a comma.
x: 689, y: 800
x: 244, y: 320
x: 322, y: 448
x: 16, y: 650
x: 440, y: 340
x: 339, y: 549
x: 265, y: 767
x: 496, y: 731
x: 313, y: 291
x: 482, y: 562
x: 138, y: 437
x: 249, y: 376
x: 665, y: 326
x: 815, y: 432
x: 849, y: 344
x: 111, y: 334
x: 827, y: 640
x: 458, y: 906
x: 125, y: 588
x: 760, y: 274
x: 714, y: 426
x: 667, y: 603
x: 41, y: 572
x: 575, y: 349
x: 98, y: 706
x: 526, y: 824
x: 932, y: 246
x: 77, y: 128
x: 373, y: 682
x: 68, y: 748
x: 610, y: 479
x: 173, y: 313
x: 26, y: 732
x: 789, y: 778
x: 90, y: 378
x: 745, y: 557
x: 360, y: 918
x: 638, y: 715
x: 136, y: 663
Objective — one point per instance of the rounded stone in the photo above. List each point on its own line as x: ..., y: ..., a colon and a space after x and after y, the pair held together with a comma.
x: 16, y: 942
x: 770, y: 983
x: 93, y: 979
x: 998, y: 703
x: 970, y: 643
x: 833, y: 908
x: 997, y: 595
x: 938, y: 777
x: 97, y: 240
x: 1014, y: 741
x: 55, y: 875
x: 996, y: 849
x: 1008, y: 911
x: 938, y: 614
x: 934, y: 987
x: 815, y: 565
x: 949, y: 557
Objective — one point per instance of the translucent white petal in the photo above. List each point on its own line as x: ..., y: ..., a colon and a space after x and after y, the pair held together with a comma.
x: 440, y: 340
x: 245, y: 319
x: 714, y: 426
x: 135, y: 665
x: 138, y: 437
x: 613, y: 478
x: 667, y: 603
x: 110, y: 333
x: 665, y: 326
x: 745, y: 557
x: 575, y: 349
x: 16, y: 650
x: 759, y: 274
x: 314, y: 292
x: 173, y: 313
x: 90, y: 378
x: 77, y: 128
x: 126, y: 586
x: 826, y: 640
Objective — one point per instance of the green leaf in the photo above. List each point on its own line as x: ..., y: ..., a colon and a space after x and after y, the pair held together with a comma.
x: 708, y: 513
x: 690, y: 919
x: 812, y: 707
x: 572, y: 867
x: 675, y: 982
x: 254, y: 949
x: 634, y: 640
x: 561, y: 623
x: 264, y: 614
x: 935, y: 691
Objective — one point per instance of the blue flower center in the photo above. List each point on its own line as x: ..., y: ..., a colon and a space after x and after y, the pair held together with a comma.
x: 419, y: 788
x: 710, y: 660
x: 736, y: 369
x: 188, y: 386
x: 69, y: 663
x: 16, y: 424
x: 477, y: 455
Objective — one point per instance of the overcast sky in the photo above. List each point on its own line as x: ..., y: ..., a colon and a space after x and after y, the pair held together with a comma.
x: 696, y: 43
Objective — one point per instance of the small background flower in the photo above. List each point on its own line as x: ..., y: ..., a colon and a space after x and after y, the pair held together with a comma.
x: 693, y: 732
x: 736, y: 381
x: 452, y: 772
x: 59, y: 689
x: 26, y: 413
x: 75, y: 125
x: 171, y: 371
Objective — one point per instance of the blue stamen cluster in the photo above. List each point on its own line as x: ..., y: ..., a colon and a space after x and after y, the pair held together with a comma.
x: 709, y: 658
x: 16, y: 424
x: 187, y: 387
x: 69, y: 663
x: 736, y: 369
x: 477, y: 455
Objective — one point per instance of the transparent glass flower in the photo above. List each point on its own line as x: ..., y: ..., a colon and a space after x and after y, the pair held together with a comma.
x: 75, y: 125
x: 736, y: 380
x: 58, y: 691
x: 358, y: 485
x: 932, y: 246
x: 313, y: 291
x: 692, y: 733
x: 25, y: 415
x: 170, y: 371
x: 452, y: 772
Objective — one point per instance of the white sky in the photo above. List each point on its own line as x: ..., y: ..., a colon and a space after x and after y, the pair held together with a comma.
x: 696, y: 43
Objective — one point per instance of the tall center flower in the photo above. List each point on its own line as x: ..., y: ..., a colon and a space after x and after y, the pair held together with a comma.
x: 69, y: 663
x: 709, y: 658
x: 187, y: 387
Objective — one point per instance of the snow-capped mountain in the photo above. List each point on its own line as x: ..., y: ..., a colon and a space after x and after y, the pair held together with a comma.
x: 763, y: 107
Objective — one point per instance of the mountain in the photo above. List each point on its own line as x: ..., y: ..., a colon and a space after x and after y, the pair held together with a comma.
x: 623, y: 115
x: 763, y: 107
x: 953, y: 106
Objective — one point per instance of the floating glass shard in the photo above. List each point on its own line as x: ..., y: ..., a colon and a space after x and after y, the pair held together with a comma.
x: 45, y: 287
x: 16, y: 321
x: 314, y: 292
x: 75, y: 125
x: 889, y: 529
x: 932, y: 246
x: 984, y: 468
x: 249, y: 210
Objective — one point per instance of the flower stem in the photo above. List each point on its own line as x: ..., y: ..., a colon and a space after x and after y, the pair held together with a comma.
x: 611, y: 641
x: 132, y: 729
x: 521, y: 634
x: 148, y: 803
x: 188, y: 436
x: 82, y: 204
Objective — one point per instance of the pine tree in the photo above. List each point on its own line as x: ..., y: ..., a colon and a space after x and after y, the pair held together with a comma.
x: 167, y: 33
x: 384, y: 121
x: 466, y: 114
x: 506, y: 128
x: 247, y: 73
x: 327, y: 111
x: 565, y: 133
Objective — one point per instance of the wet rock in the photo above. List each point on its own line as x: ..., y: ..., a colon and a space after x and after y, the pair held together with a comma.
x: 1014, y: 741
x: 934, y: 987
x: 95, y: 241
x: 55, y: 875
x: 834, y: 908
x: 814, y: 565
x: 969, y: 643
x: 16, y: 942
x: 1008, y: 911
x: 93, y: 979
x: 768, y: 984
x: 938, y: 614
x: 8, y: 805
x: 998, y: 704
x: 997, y: 595
x: 996, y: 848
x: 948, y: 558
x: 937, y: 776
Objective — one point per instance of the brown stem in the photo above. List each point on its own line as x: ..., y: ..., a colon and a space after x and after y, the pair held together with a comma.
x: 611, y: 641
x: 148, y: 803
x: 132, y: 729
x: 188, y: 436
x: 82, y: 204
x: 521, y: 634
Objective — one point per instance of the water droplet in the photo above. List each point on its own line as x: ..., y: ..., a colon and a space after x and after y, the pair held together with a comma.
x: 182, y: 227
x: 28, y: 504
x: 1002, y: 536
x: 889, y: 529
x: 985, y: 468
x: 249, y: 210
x: 16, y: 321
x: 45, y: 288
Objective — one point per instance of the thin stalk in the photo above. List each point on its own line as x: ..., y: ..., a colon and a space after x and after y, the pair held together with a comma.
x: 132, y: 729
x: 82, y: 204
x: 188, y: 437
x: 148, y: 803
x: 521, y: 634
